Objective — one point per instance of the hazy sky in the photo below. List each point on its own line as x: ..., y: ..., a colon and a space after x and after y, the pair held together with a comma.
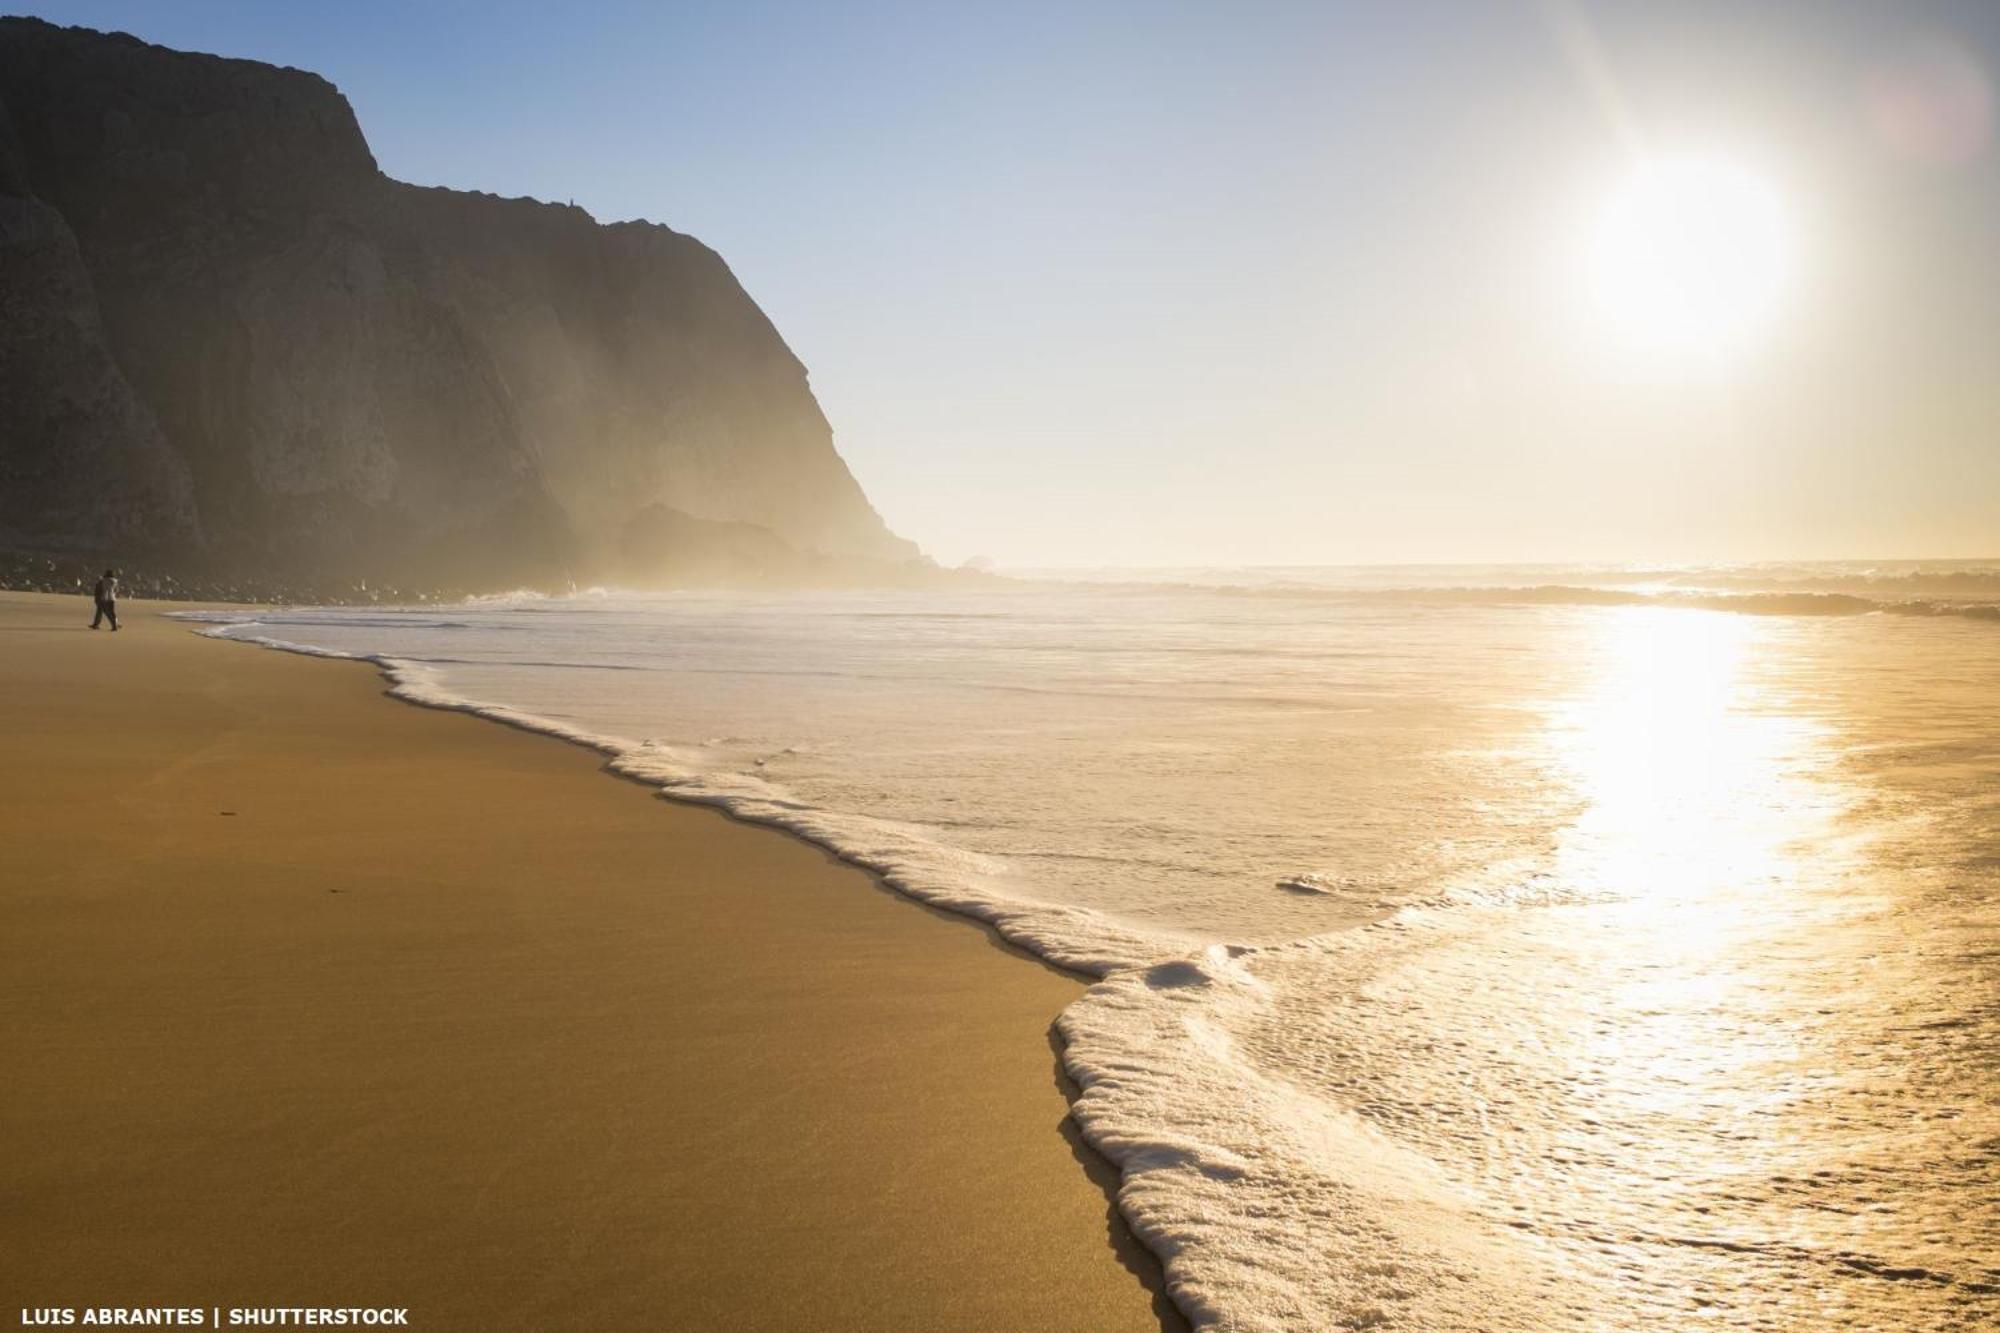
x: 1245, y: 283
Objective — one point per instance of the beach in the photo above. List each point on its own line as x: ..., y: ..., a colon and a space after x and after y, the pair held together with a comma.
x: 949, y: 667
x: 318, y: 999
x: 1438, y: 922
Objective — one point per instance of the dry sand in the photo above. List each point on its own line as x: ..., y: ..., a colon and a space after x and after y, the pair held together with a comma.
x: 314, y: 998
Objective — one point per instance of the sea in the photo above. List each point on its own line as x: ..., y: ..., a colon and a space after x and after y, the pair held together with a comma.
x: 1488, y: 948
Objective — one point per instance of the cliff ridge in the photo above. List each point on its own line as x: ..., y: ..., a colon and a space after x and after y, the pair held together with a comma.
x: 228, y: 340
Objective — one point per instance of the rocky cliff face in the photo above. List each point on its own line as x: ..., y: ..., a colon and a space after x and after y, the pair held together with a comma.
x: 226, y: 337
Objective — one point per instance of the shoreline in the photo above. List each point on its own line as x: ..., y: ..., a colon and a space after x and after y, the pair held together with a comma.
x: 1039, y: 931
x: 553, y: 1076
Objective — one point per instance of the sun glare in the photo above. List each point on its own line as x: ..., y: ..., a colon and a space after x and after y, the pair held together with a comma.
x: 1689, y: 260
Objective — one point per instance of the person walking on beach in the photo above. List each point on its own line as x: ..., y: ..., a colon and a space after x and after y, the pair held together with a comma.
x: 107, y: 600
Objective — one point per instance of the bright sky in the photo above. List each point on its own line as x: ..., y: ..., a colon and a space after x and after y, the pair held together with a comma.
x: 1193, y: 283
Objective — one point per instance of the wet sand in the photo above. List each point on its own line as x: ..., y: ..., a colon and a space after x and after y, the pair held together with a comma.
x: 314, y: 998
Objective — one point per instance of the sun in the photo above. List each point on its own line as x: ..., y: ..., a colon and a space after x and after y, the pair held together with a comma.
x: 1689, y: 261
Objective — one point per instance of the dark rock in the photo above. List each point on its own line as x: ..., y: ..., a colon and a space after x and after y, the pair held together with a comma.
x: 232, y: 348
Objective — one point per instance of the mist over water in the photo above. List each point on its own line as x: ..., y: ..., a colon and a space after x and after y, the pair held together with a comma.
x: 1475, y: 956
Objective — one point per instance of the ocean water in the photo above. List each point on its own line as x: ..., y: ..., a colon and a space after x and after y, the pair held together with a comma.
x: 1535, y: 948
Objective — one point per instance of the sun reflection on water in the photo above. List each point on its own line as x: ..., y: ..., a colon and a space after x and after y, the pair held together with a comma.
x: 1698, y: 784
x: 1724, y: 955
x: 1703, y: 802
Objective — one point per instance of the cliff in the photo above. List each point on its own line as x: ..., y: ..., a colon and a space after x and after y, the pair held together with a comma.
x: 228, y: 340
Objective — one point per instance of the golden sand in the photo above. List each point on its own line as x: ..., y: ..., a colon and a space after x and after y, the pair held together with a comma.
x: 316, y: 999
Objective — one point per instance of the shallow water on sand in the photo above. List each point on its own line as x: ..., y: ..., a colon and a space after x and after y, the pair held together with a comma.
x: 1472, y: 960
